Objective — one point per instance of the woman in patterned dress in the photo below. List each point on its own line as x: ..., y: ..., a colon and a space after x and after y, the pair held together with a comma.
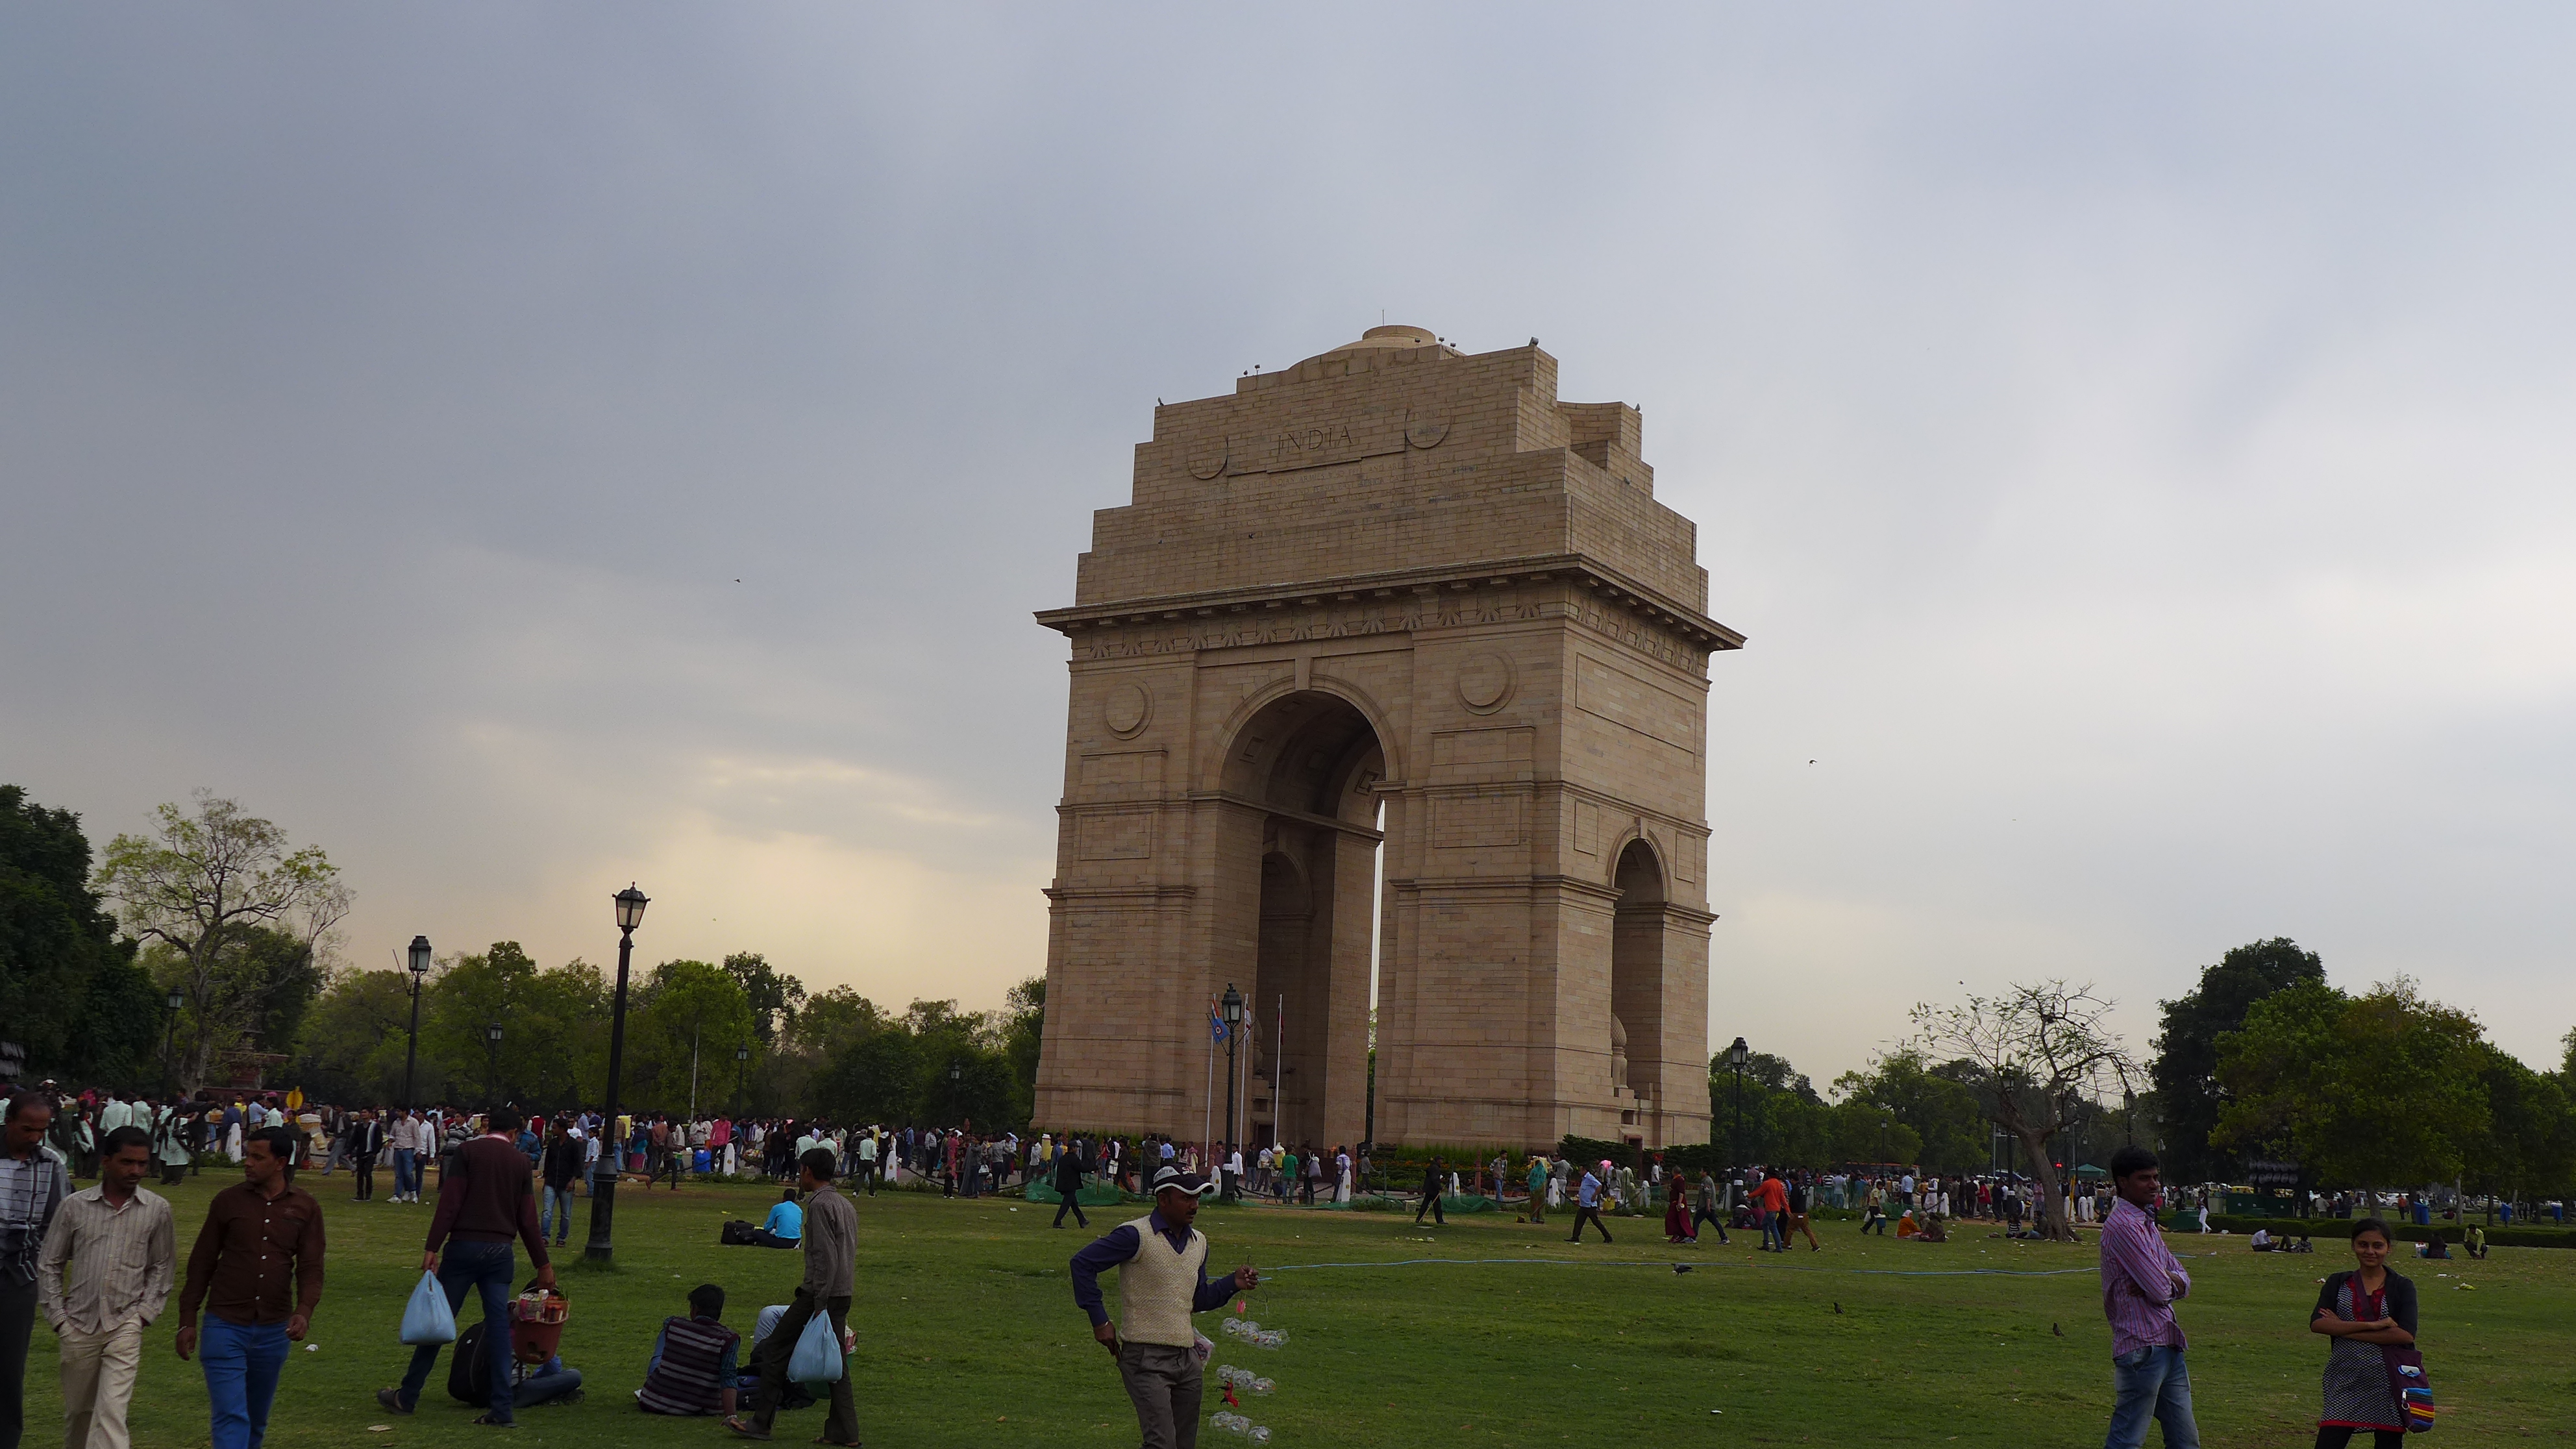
x: 2363, y: 1310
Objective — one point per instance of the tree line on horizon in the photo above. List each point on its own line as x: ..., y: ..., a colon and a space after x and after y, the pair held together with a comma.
x: 2263, y: 1059
x: 222, y: 907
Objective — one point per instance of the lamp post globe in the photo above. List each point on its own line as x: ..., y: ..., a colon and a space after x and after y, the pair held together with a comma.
x: 630, y: 904
x: 419, y: 968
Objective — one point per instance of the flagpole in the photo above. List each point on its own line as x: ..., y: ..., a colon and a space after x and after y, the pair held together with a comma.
x: 1278, y: 1096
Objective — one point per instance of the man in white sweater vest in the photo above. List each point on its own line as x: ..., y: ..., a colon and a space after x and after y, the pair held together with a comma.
x: 1162, y: 1279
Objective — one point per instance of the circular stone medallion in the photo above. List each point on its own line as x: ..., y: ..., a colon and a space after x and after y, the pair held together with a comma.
x: 1127, y: 709
x: 1484, y: 682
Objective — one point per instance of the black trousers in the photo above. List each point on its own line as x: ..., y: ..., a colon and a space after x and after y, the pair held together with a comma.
x: 1070, y: 1205
x: 17, y: 1327
x: 1590, y: 1215
x: 1431, y: 1205
x: 1709, y: 1216
x: 365, y: 1169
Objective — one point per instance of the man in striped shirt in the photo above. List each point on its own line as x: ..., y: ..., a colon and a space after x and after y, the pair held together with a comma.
x: 2141, y: 1279
x: 103, y: 1277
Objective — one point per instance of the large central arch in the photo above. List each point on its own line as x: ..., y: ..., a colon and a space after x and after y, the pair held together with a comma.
x: 1299, y: 783
x: 1393, y: 625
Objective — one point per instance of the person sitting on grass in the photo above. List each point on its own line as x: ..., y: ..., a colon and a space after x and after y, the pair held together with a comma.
x: 2261, y: 1242
x: 2474, y: 1241
x: 1906, y: 1226
x: 694, y: 1360
x: 785, y: 1227
x: 2437, y: 1248
x: 1933, y: 1232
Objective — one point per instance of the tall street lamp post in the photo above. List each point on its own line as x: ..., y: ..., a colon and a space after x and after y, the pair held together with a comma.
x: 1232, y: 1006
x: 741, y: 1065
x: 492, y: 1062
x: 169, y: 1028
x: 603, y: 1196
x: 411, y: 1047
x: 1735, y: 1056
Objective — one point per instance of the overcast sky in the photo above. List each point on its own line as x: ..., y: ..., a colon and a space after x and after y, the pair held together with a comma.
x: 528, y: 448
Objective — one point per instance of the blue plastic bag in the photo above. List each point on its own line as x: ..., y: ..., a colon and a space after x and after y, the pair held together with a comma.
x: 427, y: 1319
x: 817, y: 1359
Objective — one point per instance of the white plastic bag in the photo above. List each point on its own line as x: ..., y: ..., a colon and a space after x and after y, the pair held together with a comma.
x: 426, y: 1318
x: 817, y: 1359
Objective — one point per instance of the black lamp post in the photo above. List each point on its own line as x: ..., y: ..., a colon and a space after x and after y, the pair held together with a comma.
x: 492, y: 1062
x: 741, y: 1065
x: 411, y: 1048
x: 603, y: 1193
x: 1735, y: 1056
x: 1232, y: 1006
x: 169, y: 1028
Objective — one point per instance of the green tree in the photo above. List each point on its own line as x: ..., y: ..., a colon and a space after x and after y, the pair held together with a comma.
x: 2042, y: 1055
x: 875, y: 1077
x: 773, y: 998
x: 70, y: 991
x: 2525, y: 1144
x: 351, y: 1046
x: 1938, y: 1112
x: 199, y: 884
x: 1023, y: 1035
x: 2184, y: 1071
x: 2362, y: 1091
x: 688, y: 1018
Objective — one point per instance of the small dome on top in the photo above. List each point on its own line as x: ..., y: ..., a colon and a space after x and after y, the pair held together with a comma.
x: 1392, y: 337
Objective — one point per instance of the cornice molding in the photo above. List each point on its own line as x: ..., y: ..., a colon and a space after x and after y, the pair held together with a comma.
x: 1609, y: 583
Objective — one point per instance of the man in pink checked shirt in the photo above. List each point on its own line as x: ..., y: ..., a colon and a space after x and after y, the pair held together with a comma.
x: 2141, y: 1278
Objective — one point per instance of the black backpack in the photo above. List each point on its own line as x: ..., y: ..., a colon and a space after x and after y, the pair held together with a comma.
x: 469, y: 1379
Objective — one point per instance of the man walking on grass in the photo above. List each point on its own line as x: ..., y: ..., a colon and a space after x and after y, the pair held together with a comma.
x: 1161, y: 1260
x: 1587, y: 1208
x: 831, y: 1253
x: 32, y: 1188
x: 2141, y: 1279
x: 104, y: 1276
x: 257, y: 1270
x: 482, y: 1205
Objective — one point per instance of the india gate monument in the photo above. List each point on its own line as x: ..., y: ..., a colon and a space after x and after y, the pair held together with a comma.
x: 1395, y: 611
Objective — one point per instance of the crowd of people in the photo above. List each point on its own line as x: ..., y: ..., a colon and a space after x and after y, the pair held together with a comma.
x: 100, y: 1263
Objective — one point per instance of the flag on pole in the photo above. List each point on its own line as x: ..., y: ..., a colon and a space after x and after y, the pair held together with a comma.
x: 1216, y: 1022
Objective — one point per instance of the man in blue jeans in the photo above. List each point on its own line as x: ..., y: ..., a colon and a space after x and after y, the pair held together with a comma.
x: 482, y: 1205
x: 257, y: 1269
x: 2141, y: 1280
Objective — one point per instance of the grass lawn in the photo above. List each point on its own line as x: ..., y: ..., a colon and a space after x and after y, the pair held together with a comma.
x: 968, y: 1335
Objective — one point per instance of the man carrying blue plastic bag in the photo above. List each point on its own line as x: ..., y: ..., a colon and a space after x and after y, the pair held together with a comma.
x: 831, y: 1248
x: 484, y: 1201
x: 1162, y: 1279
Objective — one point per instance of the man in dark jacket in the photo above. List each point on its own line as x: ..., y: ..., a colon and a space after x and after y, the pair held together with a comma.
x: 1434, y: 1180
x: 365, y: 1139
x: 562, y: 1167
x: 1068, y: 1184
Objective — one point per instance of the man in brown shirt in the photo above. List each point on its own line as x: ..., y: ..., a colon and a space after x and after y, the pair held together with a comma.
x: 257, y: 1236
x: 483, y: 1203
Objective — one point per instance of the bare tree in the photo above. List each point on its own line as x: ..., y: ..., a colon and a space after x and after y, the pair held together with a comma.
x: 2042, y: 1055
x: 197, y: 885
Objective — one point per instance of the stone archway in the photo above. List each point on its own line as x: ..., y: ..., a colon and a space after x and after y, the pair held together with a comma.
x: 1395, y: 613
x: 1300, y: 775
